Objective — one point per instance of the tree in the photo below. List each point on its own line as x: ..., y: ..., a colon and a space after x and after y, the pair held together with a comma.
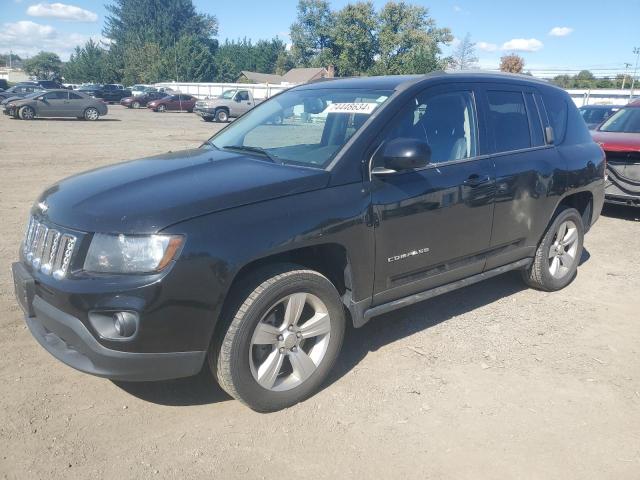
x: 145, y: 64
x: 284, y: 63
x: 44, y: 66
x: 226, y: 69
x: 193, y: 60
x: 10, y: 58
x: 312, y: 33
x: 86, y: 64
x: 408, y: 39
x: 265, y: 54
x: 464, y: 56
x: 354, y: 39
x: 511, y: 63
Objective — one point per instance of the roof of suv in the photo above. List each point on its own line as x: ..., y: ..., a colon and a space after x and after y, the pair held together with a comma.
x: 392, y: 82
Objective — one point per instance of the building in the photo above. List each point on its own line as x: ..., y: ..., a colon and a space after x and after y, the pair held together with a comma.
x: 13, y: 75
x: 294, y: 76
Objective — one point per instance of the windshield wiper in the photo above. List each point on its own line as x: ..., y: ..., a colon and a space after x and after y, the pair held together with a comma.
x: 258, y: 150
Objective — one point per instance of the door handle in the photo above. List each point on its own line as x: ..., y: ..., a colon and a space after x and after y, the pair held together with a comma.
x: 476, y: 180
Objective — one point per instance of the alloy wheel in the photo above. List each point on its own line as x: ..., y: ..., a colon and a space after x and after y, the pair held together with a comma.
x: 290, y: 342
x: 562, y: 253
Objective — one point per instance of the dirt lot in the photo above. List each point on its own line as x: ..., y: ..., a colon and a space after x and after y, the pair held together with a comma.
x: 492, y: 381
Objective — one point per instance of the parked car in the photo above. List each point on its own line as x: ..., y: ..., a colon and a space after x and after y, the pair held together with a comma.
x: 20, y: 90
x: 252, y: 252
x: 141, y: 90
x: 49, y: 84
x: 594, y: 115
x: 141, y: 100
x: 619, y: 137
x: 180, y: 102
x: 109, y: 93
x: 56, y: 103
x: 232, y: 103
x: 90, y: 89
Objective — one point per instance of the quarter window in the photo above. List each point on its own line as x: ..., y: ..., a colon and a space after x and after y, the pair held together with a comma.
x: 508, y: 119
x: 446, y: 121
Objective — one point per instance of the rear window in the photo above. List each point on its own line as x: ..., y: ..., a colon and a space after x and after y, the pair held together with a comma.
x: 556, y: 105
x: 509, y: 122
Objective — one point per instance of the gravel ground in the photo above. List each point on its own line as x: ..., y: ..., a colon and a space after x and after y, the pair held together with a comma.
x: 492, y: 381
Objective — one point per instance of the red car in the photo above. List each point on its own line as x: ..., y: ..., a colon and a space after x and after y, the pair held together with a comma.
x: 619, y: 137
x: 180, y: 102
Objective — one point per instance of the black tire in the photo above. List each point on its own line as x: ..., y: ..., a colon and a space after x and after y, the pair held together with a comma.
x: 27, y: 113
x: 222, y: 116
x: 538, y: 275
x: 161, y: 108
x: 207, y: 119
x: 135, y: 104
x: 229, y: 355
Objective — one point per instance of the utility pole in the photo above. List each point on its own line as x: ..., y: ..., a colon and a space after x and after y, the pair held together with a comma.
x: 636, y: 52
x: 624, y: 77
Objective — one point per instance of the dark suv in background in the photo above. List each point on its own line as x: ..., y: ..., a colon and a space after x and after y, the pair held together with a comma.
x: 252, y: 252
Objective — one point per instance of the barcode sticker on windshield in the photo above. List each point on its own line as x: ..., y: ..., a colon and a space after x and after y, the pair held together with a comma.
x: 366, y: 108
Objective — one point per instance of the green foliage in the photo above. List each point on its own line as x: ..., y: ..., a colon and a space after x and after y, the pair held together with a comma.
x: 354, y: 39
x: 235, y: 56
x: 586, y: 79
x: 16, y: 61
x: 400, y: 39
x: 43, y: 66
x: 193, y: 60
x: 86, y: 64
x: 312, y: 34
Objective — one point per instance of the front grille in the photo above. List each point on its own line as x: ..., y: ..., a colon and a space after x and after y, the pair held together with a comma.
x: 47, y: 249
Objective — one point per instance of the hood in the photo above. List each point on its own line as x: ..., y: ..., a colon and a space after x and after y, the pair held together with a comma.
x: 126, y: 99
x: 13, y: 99
x: 616, y: 141
x: 147, y: 195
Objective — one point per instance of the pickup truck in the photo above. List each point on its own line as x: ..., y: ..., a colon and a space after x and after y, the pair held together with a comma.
x: 231, y: 104
x: 251, y: 253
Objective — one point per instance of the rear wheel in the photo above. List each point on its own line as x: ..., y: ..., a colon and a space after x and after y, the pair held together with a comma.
x: 222, y: 116
x: 282, y: 338
x: 91, y: 114
x: 27, y: 113
x: 161, y: 108
x: 558, y: 255
x: 135, y: 104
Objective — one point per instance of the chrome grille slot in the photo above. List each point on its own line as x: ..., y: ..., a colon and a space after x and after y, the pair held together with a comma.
x: 48, y: 249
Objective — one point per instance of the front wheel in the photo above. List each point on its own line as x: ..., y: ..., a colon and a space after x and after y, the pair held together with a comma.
x: 222, y: 116
x: 282, y: 339
x: 135, y: 105
x: 91, y: 114
x: 161, y: 108
x: 558, y: 255
x: 27, y: 113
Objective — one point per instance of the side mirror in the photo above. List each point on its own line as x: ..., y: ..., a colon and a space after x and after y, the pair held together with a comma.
x: 404, y: 154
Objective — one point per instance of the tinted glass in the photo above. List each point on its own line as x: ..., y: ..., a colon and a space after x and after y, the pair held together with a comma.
x: 626, y: 120
x: 447, y: 122
x: 508, y: 121
x: 306, y: 127
x: 537, y: 135
x: 556, y: 105
x: 74, y: 96
x: 57, y: 96
x: 243, y: 95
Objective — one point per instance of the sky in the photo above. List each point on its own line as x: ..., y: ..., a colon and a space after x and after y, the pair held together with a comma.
x: 553, y: 36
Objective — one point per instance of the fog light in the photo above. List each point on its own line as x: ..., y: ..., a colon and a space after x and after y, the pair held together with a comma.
x: 125, y: 323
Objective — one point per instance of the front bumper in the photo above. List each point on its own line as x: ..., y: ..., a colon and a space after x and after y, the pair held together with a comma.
x: 204, y: 112
x: 67, y: 339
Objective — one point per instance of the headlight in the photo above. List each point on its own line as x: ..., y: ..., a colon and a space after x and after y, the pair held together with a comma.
x: 131, y: 253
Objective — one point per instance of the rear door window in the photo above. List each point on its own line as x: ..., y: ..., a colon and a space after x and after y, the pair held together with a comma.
x: 57, y: 96
x: 508, y: 121
x: 556, y: 106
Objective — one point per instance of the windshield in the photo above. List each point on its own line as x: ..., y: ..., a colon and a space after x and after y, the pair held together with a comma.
x: 626, y: 120
x: 595, y: 115
x: 304, y: 127
x: 228, y: 95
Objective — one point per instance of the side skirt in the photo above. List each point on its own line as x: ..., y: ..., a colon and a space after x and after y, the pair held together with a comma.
x: 362, y: 314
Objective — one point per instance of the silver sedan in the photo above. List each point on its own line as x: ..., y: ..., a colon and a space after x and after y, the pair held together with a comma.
x: 56, y: 103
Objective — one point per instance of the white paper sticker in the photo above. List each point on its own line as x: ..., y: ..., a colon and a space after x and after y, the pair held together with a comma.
x: 366, y: 108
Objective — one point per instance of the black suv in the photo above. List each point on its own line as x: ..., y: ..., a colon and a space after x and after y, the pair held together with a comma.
x: 252, y: 252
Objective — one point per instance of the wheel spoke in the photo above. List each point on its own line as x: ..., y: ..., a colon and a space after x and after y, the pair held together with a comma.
x: 302, y: 364
x: 268, y: 371
x: 555, y: 264
x: 552, y: 251
x: 319, y: 324
x: 265, y: 334
x: 295, y: 305
x: 570, y: 237
x: 562, y: 231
